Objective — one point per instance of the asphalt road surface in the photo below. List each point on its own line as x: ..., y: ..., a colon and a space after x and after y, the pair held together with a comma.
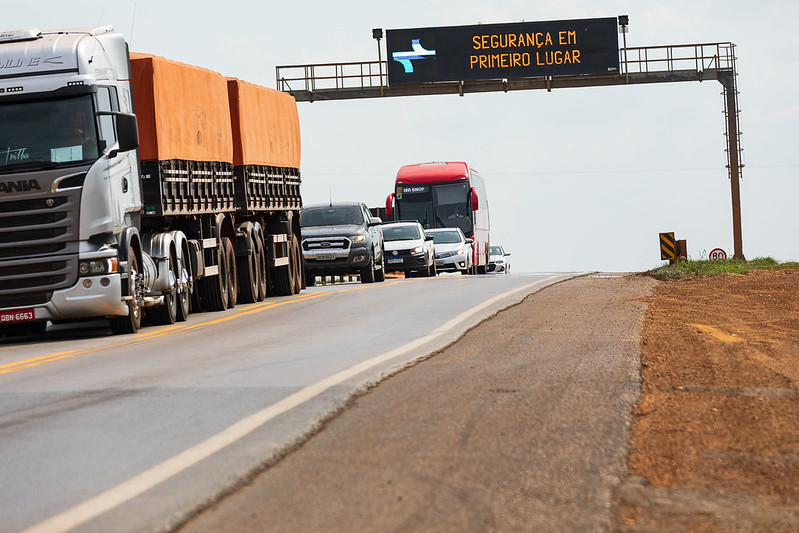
x: 522, y: 425
x: 138, y: 432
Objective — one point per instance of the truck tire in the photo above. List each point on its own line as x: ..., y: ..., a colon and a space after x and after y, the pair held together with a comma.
x: 285, y: 277
x: 247, y: 270
x: 296, y: 261
x: 167, y: 313
x: 368, y: 272
x: 231, y: 278
x: 131, y: 322
x: 185, y: 285
x: 261, y: 260
x: 214, y: 289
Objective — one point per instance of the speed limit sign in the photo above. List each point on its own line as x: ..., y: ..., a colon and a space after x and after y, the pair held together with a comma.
x: 717, y: 253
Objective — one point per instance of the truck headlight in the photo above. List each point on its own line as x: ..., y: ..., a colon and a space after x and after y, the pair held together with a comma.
x: 358, y: 238
x: 97, y: 267
x: 417, y: 250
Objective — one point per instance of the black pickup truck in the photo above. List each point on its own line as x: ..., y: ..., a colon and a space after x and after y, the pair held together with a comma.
x: 341, y: 239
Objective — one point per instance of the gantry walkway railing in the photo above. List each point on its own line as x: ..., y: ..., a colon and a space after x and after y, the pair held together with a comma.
x: 648, y: 64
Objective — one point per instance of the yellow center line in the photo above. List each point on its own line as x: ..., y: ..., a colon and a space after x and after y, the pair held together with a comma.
x: 11, y: 367
x: 170, y: 330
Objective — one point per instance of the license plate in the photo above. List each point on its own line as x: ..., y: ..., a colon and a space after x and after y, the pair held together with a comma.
x: 395, y: 260
x: 325, y: 257
x: 19, y: 315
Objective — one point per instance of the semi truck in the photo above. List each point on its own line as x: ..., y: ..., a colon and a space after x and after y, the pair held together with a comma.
x: 136, y: 188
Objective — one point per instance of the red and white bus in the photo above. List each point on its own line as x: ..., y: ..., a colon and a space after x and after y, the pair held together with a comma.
x: 444, y: 195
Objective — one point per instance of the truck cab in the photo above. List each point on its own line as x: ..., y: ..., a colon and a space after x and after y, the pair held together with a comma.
x: 69, y: 183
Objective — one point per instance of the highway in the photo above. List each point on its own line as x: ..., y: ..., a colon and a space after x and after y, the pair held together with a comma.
x: 133, y: 433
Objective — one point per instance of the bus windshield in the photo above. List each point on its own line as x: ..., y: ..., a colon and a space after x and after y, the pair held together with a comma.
x: 47, y: 133
x: 437, y: 206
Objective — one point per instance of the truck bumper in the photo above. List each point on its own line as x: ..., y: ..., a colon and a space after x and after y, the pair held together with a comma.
x: 92, y: 296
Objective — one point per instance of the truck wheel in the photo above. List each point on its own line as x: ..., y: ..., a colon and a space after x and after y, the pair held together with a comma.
x: 247, y: 270
x: 481, y: 269
x: 231, y: 278
x: 296, y: 261
x: 131, y: 322
x: 433, y: 270
x: 380, y: 274
x: 185, y: 286
x: 168, y: 312
x: 368, y: 272
x: 286, y: 276
x: 214, y: 289
x: 261, y: 260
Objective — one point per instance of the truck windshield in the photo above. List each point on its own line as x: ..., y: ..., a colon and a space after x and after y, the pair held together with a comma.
x: 331, y: 216
x: 48, y: 133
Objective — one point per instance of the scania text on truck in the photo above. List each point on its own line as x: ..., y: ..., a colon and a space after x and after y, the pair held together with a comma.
x: 444, y: 195
x: 131, y: 185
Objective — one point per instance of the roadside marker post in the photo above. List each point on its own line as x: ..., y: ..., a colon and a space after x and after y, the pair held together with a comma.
x: 668, y: 247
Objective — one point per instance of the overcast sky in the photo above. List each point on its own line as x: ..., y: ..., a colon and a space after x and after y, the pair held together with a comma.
x: 577, y: 179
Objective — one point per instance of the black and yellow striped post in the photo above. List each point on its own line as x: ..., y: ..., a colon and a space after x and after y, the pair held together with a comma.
x: 668, y: 246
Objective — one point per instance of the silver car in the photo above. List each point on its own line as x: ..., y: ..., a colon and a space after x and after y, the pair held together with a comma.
x: 453, y: 250
x: 498, y: 260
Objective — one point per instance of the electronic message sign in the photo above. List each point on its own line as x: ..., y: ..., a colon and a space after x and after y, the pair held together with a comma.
x: 499, y: 51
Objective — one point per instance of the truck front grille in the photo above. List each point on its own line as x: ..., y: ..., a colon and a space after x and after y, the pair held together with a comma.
x: 38, y: 246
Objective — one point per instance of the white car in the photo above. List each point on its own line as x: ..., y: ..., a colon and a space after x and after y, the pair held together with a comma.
x: 498, y: 260
x: 408, y: 249
x: 453, y: 250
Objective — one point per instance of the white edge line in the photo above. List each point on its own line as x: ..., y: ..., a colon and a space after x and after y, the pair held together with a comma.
x: 127, y: 490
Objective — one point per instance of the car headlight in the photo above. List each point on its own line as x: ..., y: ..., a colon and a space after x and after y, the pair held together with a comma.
x: 459, y: 251
x: 417, y: 250
x: 97, y: 267
x: 358, y: 238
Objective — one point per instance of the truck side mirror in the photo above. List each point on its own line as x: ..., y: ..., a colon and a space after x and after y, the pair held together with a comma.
x: 127, y: 132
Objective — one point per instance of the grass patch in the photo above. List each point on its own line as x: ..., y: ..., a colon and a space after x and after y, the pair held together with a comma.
x: 701, y: 269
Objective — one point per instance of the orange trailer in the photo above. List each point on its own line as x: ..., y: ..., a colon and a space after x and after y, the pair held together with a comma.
x: 266, y: 147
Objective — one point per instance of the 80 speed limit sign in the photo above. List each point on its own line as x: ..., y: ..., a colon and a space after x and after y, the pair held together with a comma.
x: 717, y: 253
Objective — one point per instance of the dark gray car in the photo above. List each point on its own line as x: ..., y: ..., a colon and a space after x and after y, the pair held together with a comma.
x: 341, y: 239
